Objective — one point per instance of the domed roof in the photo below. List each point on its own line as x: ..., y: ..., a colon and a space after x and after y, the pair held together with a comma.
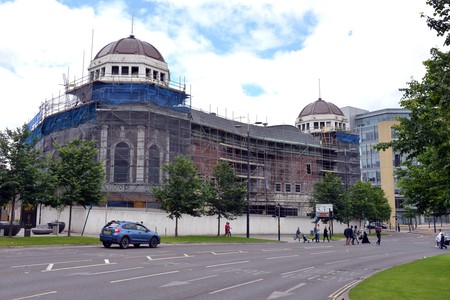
x: 320, y: 107
x: 130, y: 45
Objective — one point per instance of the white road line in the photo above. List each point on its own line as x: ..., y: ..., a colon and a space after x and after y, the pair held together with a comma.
x: 35, y: 295
x: 77, y: 267
x: 227, y: 264
x: 337, y: 261
x: 145, y: 276
x: 296, y: 271
x: 49, y: 267
x: 106, y: 261
x: 106, y: 272
x: 60, y: 262
x: 295, y: 287
x: 324, y: 252
x: 281, y: 257
x: 235, y: 286
x: 224, y: 253
x: 270, y: 250
x: 166, y: 258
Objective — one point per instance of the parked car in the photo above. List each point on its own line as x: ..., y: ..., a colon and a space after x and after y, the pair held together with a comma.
x: 375, y: 225
x: 446, y: 237
x: 125, y: 233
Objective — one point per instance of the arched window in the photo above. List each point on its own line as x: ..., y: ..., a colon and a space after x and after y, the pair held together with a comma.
x: 122, y: 162
x: 153, y: 164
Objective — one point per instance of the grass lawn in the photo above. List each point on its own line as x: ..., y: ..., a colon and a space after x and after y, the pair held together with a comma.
x: 423, y: 279
x: 76, y: 240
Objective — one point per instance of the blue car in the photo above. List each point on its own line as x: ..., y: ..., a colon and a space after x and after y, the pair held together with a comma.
x: 125, y: 233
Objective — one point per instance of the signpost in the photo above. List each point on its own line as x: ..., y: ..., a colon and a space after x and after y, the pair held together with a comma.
x: 325, y: 211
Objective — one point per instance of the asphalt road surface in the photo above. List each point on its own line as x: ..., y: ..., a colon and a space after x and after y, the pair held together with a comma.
x: 289, y: 270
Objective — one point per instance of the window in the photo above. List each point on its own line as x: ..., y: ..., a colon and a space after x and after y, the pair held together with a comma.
x: 121, y: 162
x: 148, y: 72
x: 155, y: 75
x: 102, y: 72
x: 125, y: 70
x: 162, y: 76
x: 153, y: 164
x: 287, y: 187
x: 316, y: 125
x: 115, y: 70
x: 298, y: 188
x: 97, y: 74
x: 91, y: 75
x: 134, y: 70
x: 277, y: 187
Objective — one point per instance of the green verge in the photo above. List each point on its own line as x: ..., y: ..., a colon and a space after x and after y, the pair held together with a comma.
x: 423, y: 279
x: 77, y: 240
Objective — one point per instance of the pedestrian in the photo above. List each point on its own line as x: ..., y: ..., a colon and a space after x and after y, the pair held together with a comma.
x: 227, y: 229
x: 325, y: 234
x: 365, y: 239
x: 346, y: 230
x: 297, y: 234
x: 314, y: 233
x: 442, y: 241
x: 318, y: 233
x: 349, y: 235
x: 355, y: 235
x: 438, y: 239
x: 378, y: 232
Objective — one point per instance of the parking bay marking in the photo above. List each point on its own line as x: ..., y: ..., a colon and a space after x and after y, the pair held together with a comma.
x: 145, y: 276
x: 42, y: 264
x: 227, y: 264
x: 106, y: 272
x: 174, y: 283
x: 235, y: 286
x: 50, y: 267
x: 281, y: 257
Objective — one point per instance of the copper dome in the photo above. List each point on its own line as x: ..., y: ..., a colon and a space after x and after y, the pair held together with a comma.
x: 130, y: 45
x: 320, y: 107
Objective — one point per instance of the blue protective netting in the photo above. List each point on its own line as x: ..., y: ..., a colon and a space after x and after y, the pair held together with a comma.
x: 347, y: 137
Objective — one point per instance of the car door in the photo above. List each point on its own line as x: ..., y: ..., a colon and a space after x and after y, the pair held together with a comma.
x: 143, y: 233
x: 130, y: 230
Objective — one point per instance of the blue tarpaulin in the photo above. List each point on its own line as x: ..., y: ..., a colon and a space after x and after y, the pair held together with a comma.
x: 347, y: 137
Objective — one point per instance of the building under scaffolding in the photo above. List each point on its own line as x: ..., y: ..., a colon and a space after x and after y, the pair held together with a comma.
x: 141, y: 120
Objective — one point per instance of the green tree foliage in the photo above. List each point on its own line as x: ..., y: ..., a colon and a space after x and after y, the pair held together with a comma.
x: 330, y: 190
x: 368, y: 202
x: 424, y: 137
x: 183, y: 192
x: 227, y: 197
x: 23, y: 172
x: 80, y: 176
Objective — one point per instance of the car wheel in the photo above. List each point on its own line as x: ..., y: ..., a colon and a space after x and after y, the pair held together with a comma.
x: 125, y: 242
x: 107, y: 245
x: 153, y: 242
x: 136, y: 245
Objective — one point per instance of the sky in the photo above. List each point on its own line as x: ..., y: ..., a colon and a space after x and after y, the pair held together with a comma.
x: 249, y: 60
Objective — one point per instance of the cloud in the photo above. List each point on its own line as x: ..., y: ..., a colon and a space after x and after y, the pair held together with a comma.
x: 261, y: 59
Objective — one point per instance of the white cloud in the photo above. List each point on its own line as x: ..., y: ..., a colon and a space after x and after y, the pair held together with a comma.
x: 219, y: 46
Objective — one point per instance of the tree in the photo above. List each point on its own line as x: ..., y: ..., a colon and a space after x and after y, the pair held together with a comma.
x: 183, y: 192
x: 424, y: 137
x: 227, y: 197
x: 80, y: 176
x: 368, y: 202
x: 330, y: 190
x: 23, y: 172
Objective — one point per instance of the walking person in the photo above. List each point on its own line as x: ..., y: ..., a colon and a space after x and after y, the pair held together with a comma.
x: 297, y: 234
x: 438, y: 239
x: 378, y: 232
x: 318, y: 233
x: 227, y: 229
x: 325, y: 234
x: 365, y: 239
x: 355, y: 235
x: 442, y: 241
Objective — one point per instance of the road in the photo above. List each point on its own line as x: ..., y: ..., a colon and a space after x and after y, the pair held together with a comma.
x: 289, y: 270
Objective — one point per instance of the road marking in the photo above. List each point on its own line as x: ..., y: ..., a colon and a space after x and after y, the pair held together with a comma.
x: 337, y: 262
x: 324, y: 252
x: 281, y: 257
x: 106, y: 261
x: 165, y: 258
x: 343, y: 289
x: 145, y: 276
x: 49, y: 267
x: 174, y: 283
x: 35, y: 295
x: 277, y: 294
x: 235, y: 286
x: 224, y: 253
x: 296, y: 271
x: 227, y: 264
x: 313, y: 277
x: 77, y: 267
x: 271, y: 250
x: 61, y: 262
x: 105, y: 272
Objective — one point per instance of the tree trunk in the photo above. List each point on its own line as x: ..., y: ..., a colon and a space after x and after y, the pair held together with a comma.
x: 11, y: 220
x: 218, y: 225
x: 70, y: 220
x: 176, y: 226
